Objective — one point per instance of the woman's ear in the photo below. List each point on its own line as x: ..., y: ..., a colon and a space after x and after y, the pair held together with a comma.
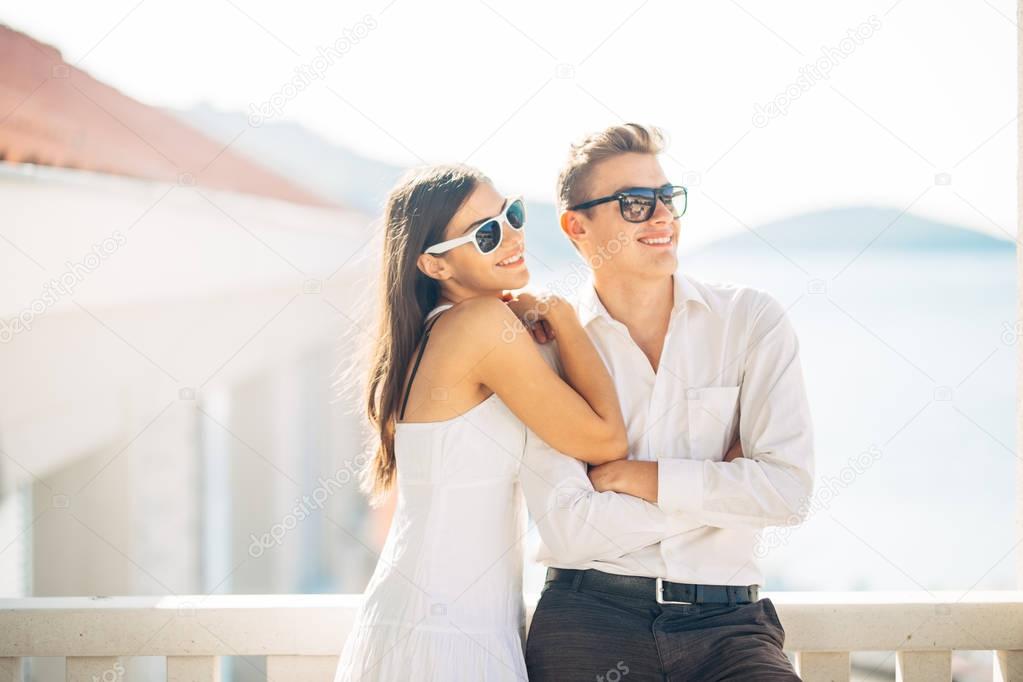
x: 433, y: 267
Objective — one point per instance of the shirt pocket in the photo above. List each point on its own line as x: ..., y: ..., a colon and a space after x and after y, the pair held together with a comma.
x: 713, y: 420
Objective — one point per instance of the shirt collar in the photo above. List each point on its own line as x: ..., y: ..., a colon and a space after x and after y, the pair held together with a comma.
x: 589, y: 306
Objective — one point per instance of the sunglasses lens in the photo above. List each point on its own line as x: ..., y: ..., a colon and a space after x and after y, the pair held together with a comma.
x: 674, y: 197
x: 517, y: 214
x: 637, y: 205
x: 489, y: 236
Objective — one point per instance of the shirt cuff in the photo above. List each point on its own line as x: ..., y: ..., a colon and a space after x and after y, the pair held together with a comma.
x: 680, y: 485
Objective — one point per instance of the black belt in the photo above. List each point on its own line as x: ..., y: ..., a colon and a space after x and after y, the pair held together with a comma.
x: 663, y: 591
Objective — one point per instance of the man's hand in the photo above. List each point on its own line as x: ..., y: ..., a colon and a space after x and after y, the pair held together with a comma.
x: 637, y: 477
x: 602, y: 476
x: 734, y: 452
x: 629, y: 476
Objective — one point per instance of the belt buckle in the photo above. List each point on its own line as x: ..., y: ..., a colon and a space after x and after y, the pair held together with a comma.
x: 659, y: 593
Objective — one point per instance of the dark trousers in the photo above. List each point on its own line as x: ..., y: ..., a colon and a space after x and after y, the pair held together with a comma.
x: 582, y: 634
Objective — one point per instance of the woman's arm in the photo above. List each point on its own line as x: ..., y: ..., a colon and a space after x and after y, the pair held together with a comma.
x: 581, y: 418
x: 581, y: 365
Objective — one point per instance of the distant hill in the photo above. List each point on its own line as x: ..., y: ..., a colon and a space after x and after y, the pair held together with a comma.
x: 301, y: 155
x: 854, y: 227
x: 344, y: 176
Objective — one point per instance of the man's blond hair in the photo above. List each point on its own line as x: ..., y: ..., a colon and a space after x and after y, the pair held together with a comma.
x: 585, y: 154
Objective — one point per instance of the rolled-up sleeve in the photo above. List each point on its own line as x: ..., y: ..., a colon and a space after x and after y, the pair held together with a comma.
x: 772, y: 484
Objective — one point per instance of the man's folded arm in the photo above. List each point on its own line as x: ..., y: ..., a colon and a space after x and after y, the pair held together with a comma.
x: 579, y: 524
x: 772, y: 484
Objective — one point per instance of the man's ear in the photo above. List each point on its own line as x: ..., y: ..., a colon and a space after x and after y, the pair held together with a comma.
x: 572, y: 226
x: 433, y: 267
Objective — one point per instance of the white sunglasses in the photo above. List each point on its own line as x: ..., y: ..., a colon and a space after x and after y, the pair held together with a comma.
x: 489, y: 234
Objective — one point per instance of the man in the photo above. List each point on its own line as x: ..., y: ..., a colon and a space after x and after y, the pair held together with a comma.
x: 651, y: 570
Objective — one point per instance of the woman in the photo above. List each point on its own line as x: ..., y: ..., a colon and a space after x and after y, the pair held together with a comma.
x: 454, y: 382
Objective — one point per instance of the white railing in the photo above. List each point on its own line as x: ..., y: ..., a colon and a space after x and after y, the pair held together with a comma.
x: 301, y: 635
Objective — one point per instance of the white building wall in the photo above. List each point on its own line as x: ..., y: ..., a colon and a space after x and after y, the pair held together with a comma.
x: 138, y: 401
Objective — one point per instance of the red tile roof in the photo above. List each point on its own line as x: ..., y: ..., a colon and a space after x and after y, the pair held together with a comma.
x: 54, y: 114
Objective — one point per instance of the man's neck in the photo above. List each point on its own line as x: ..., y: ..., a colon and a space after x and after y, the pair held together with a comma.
x: 642, y: 305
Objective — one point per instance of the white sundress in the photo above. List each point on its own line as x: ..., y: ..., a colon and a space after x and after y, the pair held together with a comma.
x: 445, y: 600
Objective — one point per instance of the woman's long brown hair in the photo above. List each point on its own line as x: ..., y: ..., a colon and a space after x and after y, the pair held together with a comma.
x: 417, y: 212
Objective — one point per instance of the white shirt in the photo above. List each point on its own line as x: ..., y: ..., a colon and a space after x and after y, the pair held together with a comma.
x: 730, y: 363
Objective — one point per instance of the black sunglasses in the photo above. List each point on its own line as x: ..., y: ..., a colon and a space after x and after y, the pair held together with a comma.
x: 637, y: 204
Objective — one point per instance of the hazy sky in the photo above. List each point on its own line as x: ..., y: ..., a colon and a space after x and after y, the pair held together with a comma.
x: 912, y: 89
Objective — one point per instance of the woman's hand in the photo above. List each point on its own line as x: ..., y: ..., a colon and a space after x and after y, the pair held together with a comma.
x: 540, y: 315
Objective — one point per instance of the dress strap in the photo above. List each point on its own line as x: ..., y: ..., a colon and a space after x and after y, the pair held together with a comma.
x: 438, y: 309
x: 419, y: 356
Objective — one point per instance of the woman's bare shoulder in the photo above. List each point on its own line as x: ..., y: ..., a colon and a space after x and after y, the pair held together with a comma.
x: 476, y: 325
